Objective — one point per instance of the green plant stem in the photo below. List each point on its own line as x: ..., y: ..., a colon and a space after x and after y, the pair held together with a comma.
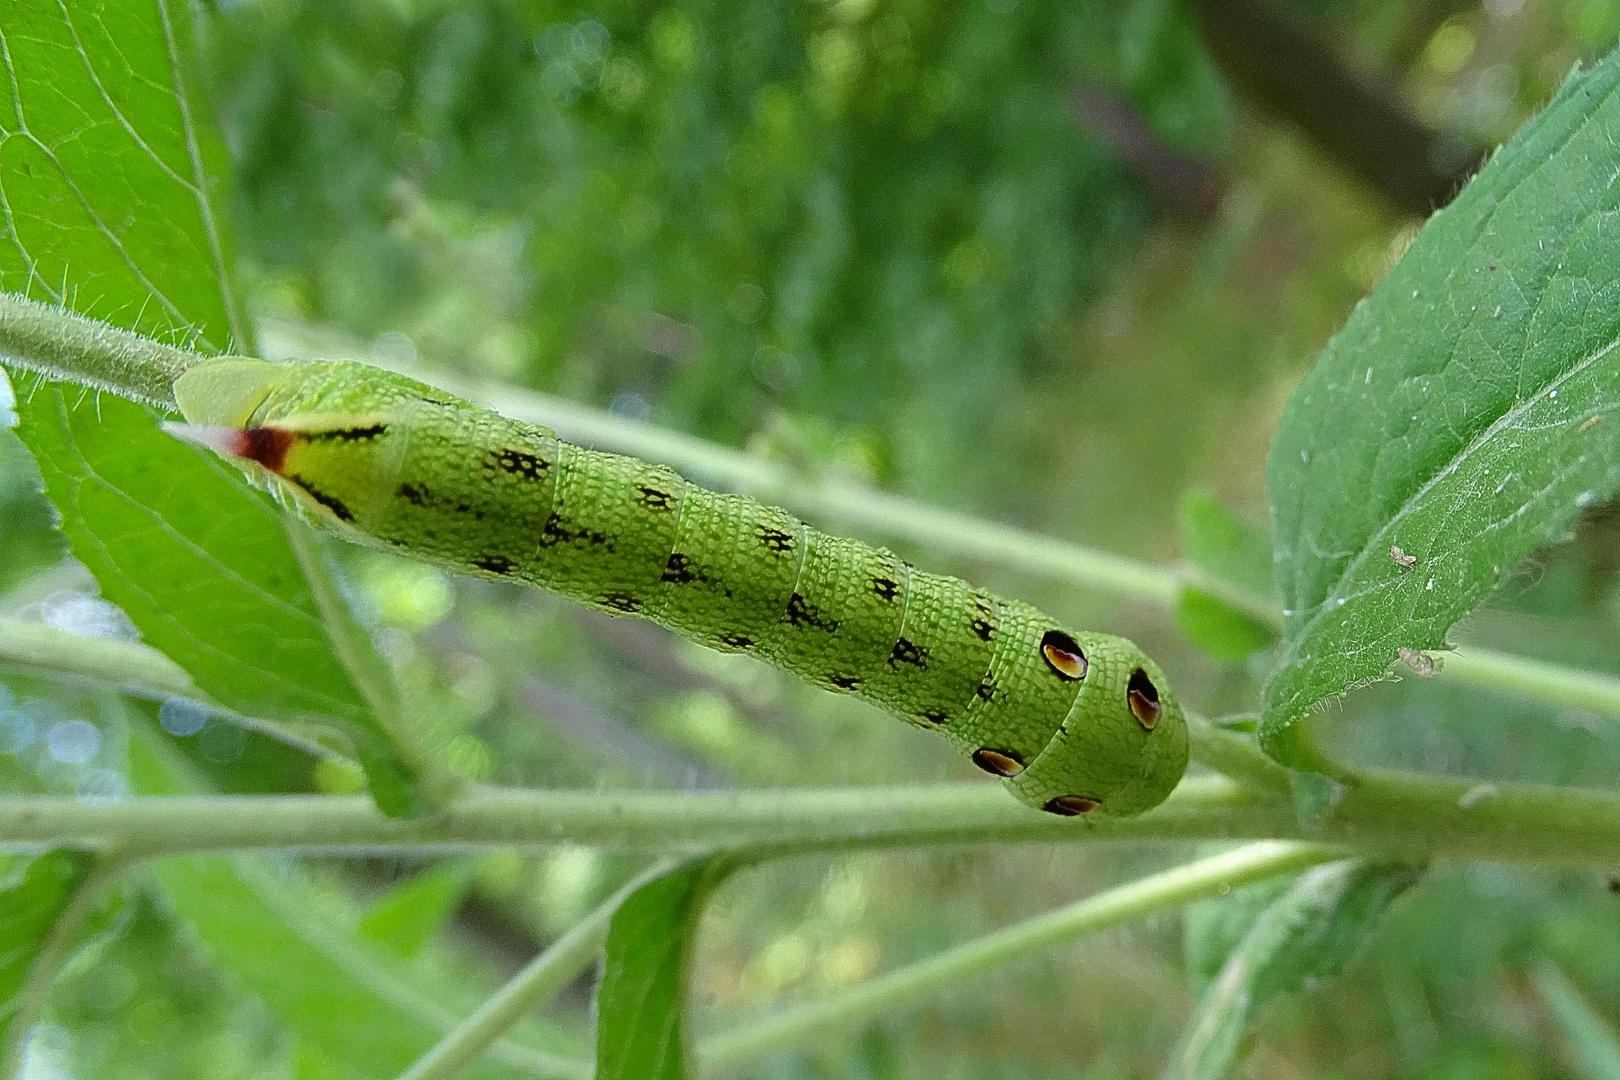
x: 1534, y: 678
x: 36, y: 986
x: 540, y: 978
x: 1393, y: 813
x: 869, y: 1000
x: 1238, y: 757
x: 61, y: 345
x: 1593, y: 1046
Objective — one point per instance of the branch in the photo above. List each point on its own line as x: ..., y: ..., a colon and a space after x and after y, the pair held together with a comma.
x: 1393, y: 813
x: 61, y: 345
x: 866, y: 1002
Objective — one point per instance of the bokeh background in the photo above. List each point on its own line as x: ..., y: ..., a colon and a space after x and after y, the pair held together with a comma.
x: 1053, y: 264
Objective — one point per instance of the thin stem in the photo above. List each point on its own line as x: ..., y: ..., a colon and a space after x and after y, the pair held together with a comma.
x: 1237, y: 757
x: 1535, y: 678
x: 61, y: 345
x: 864, y: 1003
x: 1391, y: 813
x: 540, y: 978
x: 58, y: 947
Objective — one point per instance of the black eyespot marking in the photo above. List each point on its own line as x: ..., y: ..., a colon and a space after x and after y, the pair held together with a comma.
x: 986, y: 690
x: 354, y: 434
x: 415, y: 494
x: 908, y: 652
x: 495, y: 564
x: 677, y: 571
x: 844, y: 682
x: 654, y: 499
x: 341, y: 512
x: 800, y: 613
x: 1071, y: 805
x: 775, y: 539
x: 1143, y: 697
x: 520, y: 462
x: 934, y: 716
x: 999, y: 762
x: 737, y: 641
x: 885, y: 588
x: 983, y: 630
x: 1063, y: 655
x: 622, y: 602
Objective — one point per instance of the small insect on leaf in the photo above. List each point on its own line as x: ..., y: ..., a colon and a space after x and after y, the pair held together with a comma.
x: 1401, y: 557
x: 1421, y: 663
x: 1590, y: 423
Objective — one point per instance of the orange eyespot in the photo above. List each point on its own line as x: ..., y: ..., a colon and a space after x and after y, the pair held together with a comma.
x: 1063, y: 655
x: 1071, y: 805
x: 1144, y: 699
x: 999, y: 762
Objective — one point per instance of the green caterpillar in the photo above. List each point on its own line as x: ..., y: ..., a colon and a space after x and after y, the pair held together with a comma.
x: 1075, y: 722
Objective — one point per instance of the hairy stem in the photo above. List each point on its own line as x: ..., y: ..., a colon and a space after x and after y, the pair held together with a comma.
x: 907, y: 985
x: 61, y: 345
x: 540, y: 978
x: 1391, y: 813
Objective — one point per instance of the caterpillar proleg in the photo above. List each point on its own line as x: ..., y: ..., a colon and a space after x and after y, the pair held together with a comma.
x: 1075, y: 722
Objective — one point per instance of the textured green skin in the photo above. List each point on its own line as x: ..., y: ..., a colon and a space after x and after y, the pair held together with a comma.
x: 390, y: 462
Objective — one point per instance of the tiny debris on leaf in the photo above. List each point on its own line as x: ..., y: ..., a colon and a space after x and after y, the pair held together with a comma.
x: 1421, y: 663
x: 1401, y: 557
x: 1590, y: 423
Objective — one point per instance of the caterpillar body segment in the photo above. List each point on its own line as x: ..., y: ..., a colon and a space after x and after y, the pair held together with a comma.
x: 1075, y: 722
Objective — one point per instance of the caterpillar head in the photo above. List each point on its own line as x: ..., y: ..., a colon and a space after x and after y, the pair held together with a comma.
x: 1122, y: 748
x: 319, y: 435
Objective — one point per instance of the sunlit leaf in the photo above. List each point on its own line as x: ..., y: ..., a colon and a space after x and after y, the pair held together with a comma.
x: 1468, y: 411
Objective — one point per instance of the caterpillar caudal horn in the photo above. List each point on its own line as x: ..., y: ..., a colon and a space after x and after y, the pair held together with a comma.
x: 1074, y: 722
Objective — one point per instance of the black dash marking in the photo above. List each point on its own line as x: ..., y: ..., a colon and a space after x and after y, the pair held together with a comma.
x: 800, y: 613
x: 622, y: 602
x: 521, y: 463
x: 983, y: 629
x: 986, y: 690
x: 934, y: 716
x: 354, y: 434
x: 775, y: 539
x: 886, y: 588
x: 495, y: 564
x: 654, y: 499
x: 737, y: 641
x: 845, y: 682
x: 554, y: 533
x: 415, y: 494
x: 678, y: 570
x: 333, y: 504
x: 908, y: 652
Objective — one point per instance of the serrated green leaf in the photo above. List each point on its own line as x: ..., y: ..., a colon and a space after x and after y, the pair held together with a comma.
x: 1311, y: 932
x: 405, y: 917
x: 1594, y: 1047
x: 1464, y: 416
x: 109, y: 171
x: 641, y: 1003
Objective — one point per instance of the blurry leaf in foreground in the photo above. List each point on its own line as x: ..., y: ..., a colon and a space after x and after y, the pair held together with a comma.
x: 1455, y: 417
x: 36, y: 895
x: 642, y: 1030
x: 1212, y: 928
x: 1229, y: 555
x: 409, y: 914
x: 202, y: 566
x: 1311, y: 932
x: 1593, y: 1045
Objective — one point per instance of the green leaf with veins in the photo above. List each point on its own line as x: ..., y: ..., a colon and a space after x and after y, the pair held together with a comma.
x: 107, y: 177
x: 1466, y: 413
x: 642, y: 1026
